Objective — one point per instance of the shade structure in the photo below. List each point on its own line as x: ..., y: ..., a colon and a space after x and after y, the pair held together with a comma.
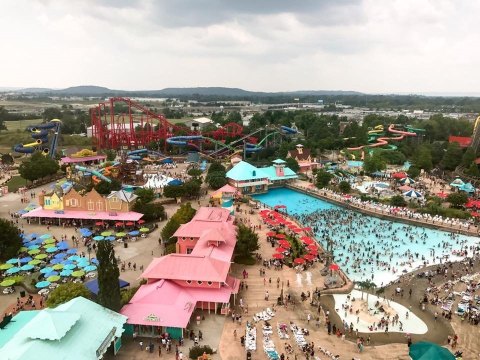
x: 45, y: 236
x: 424, y: 350
x: 25, y: 260
x: 42, y: 284
x: 60, y: 255
x: 278, y: 256
x: 34, y: 262
x: 407, y: 181
x: 118, y: 224
x: 55, y: 261
x: 457, y: 182
x: 94, y: 261
x: 309, y: 257
x: 271, y: 233
x: 13, y: 261
x: 129, y: 223
x: 72, y: 251
x: 8, y: 282
x: 49, y: 241
x: 92, y: 285
x: 312, y: 247
x: 280, y: 250
x: 32, y: 247
x: 98, y: 238
x: 334, y: 267
x: 41, y: 256
x: 66, y: 272
x: 74, y: 258
x: 134, y: 233
x: 46, y: 270
x: 53, y: 278
x: 13, y: 270
x: 475, y: 214
x: 82, y: 264
x: 69, y: 267
x: 34, y: 251
x: 109, y: 238
x: 121, y: 234
x: 52, y: 249
x: 284, y: 243
x: 99, y: 223
x: 26, y: 267
x: 106, y: 233
x: 280, y: 236
x: 299, y: 261
x: 297, y: 230
x: 62, y: 246
x: 144, y: 230
x: 86, y: 233
x: 23, y: 248
x: 280, y: 206
x: 399, y: 175
x: 78, y: 273
x: 52, y: 273
x: 6, y: 266
x: 90, y: 268
x: 58, y: 267
x: 141, y: 221
x: 413, y: 194
x: 468, y: 187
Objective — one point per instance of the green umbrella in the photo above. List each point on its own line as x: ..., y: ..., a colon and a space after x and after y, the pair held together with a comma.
x: 41, y: 256
x: 6, y: 266
x: 8, y: 282
x: 49, y: 241
x: 424, y: 350
x: 144, y: 229
x: 34, y: 262
x: 34, y: 251
x: 47, y: 246
x: 57, y: 267
x: 106, y: 233
x: 121, y: 234
x: 78, y: 273
x: 23, y: 248
x: 53, y: 278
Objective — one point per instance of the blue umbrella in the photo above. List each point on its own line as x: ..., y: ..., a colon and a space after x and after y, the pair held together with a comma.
x: 35, y: 242
x: 94, y: 261
x: 110, y: 238
x: 45, y: 236
x: 90, y: 268
x: 51, y: 273
x: 83, y: 229
x: 62, y: 246
x: 99, y: 238
x: 12, y: 270
x: 56, y: 261
x: 66, y: 272
x: 42, y: 284
x: 83, y: 264
x: 46, y: 270
x: 33, y: 247
x: 67, y: 262
x: 26, y: 267
x: 60, y: 255
x: 74, y: 258
x: 25, y: 260
x: 52, y: 249
x: 175, y: 182
x: 62, y: 243
x: 69, y: 267
x: 13, y: 261
x: 31, y: 236
x: 71, y: 251
x: 134, y: 233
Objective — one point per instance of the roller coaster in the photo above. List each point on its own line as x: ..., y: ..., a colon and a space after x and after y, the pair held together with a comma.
x: 138, y: 126
x: 40, y: 133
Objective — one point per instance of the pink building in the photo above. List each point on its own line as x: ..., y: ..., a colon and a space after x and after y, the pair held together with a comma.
x: 176, y: 286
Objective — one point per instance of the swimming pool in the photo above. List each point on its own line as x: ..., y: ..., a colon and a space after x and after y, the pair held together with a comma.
x: 354, y: 163
x: 367, y: 247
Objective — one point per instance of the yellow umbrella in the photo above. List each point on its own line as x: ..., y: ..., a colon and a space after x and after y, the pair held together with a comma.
x: 49, y: 241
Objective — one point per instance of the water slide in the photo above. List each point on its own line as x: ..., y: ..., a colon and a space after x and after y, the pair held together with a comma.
x: 40, y: 134
x: 288, y: 130
x: 93, y: 172
x: 383, y: 141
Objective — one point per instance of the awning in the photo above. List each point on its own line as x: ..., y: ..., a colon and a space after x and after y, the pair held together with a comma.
x: 83, y: 215
x: 92, y: 285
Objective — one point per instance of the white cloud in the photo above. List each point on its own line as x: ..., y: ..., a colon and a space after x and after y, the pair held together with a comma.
x: 369, y: 45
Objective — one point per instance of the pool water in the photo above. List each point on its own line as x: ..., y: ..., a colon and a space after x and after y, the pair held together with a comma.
x: 367, y: 247
x: 354, y: 163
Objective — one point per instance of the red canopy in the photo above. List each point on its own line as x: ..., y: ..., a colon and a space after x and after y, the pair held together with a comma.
x: 299, y: 261
x: 264, y: 212
x: 313, y: 252
x: 271, y: 233
x: 334, y: 267
x: 141, y: 221
x: 280, y: 249
x: 99, y: 223
x: 475, y: 214
x: 399, y: 175
x: 279, y: 207
x: 129, y: 223
x: 285, y: 244
x: 278, y: 256
x: 119, y: 224
x: 308, y: 241
x: 297, y: 230
x: 312, y: 247
x: 442, y: 195
x: 309, y: 257
x: 280, y: 236
x: 308, y: 228
x: 472, y: 203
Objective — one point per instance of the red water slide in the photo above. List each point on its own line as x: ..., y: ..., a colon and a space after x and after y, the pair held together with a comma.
x: 382, y: 141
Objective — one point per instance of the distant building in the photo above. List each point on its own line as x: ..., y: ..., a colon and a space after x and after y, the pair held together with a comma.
x: 463, y: 141
x: 199, y: 123
x: 303, y: 158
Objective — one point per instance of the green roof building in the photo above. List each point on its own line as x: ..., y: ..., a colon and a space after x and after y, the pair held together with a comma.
x: 79, y: 329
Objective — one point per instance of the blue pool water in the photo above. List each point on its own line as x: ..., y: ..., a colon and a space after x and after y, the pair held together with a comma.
x: 354, y: 163
x: 367, y: 247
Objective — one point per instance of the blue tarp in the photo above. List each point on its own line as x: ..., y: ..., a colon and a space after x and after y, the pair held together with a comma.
x: 92, y: 285
x: 175, y: 182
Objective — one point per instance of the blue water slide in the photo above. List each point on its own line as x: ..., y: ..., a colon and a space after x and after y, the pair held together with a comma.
x: 183, y: 140
x: 137, y: 152
x: 288, y: 130
x: 22, y: 149
x: 93, y: 172
x: 251, y: 148
x: 40, y: 134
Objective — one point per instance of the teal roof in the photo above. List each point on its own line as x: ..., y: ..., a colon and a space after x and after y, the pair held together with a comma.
x: 15, y: 325
x: 51, y: 325
x: 80, y: 342
x: 245, y: 171
x: 272, y: 173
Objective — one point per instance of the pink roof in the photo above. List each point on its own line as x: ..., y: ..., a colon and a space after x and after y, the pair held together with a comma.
x: 206, y: 218
x: 69, y: 160
x: 223, y: 252
x: 84, y: 215
x: 212, y: 235
x: 229, y: 189
x: 187, y: 267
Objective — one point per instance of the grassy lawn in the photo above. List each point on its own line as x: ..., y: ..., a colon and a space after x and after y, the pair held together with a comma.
x: 21, y: 124
x: 15, y: 183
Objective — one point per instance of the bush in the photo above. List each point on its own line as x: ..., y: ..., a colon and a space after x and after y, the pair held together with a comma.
x: 344, y: 187
x: 197, y: 351
x: 127, y: 294
x: 397, y: 200
x: 244, y: 260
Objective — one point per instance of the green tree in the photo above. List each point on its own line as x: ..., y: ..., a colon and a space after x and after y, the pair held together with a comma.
x: 108, y: 274
x: 216, y: 180
x: 413, y: 172
x: 423, y: 158
x: 452, y: 157
x: 191, y: 188
x: 38, y: 166
x: 7, y: 159
x: 292, y: 164
x: 398, y: 200
x: 473, y: 170
x: 457, y: 199
x: 66, y: 292
x: 111, y: 154
x: 468, y: 157
x: 145, y: 195
x: 169, y: 229
x: 323, y: 178
x: 374, y: 163
x: 183, y: 215
x: 10, y: 240
x: 151, y: 211
x: 194, y: 172
x: 345, y: 187
x: 216, y: 166
x: 247, y: 242
x: 173, y: 191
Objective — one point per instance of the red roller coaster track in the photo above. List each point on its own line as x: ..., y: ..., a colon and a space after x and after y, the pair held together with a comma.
x: 138, y: 126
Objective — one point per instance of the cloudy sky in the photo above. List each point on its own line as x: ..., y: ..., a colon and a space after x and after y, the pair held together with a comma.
x: 265, y: 45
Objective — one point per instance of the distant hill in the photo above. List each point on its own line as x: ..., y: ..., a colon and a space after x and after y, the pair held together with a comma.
x: 34, y: 90
x: 87, y: 90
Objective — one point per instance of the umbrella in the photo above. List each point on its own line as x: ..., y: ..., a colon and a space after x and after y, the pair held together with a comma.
x: 78, y: 273
x: 8, y: 282
x: 144, y: 230
x: 13, y: 261
x: 94, y: 261
x: 51, y: 273
x: 457, y: 182
x: 129, y: 223
x: 46, y: 270
x: 118, y: 224
x: 26, y: 267
x: 442, y: 195
x: 399, y: 175
x: 106, y: 233
x: 270, y: 233
x: 285, y: 244
x: 25, y: 260
x: 424, y: 350
x: 33, y: 251
x: 90, y: 268
x: 49, y: 241
x: 45, y: 236
x: 60, y: 255
x: 13, y: 270
x: 334, y: 267
x: 42, y: 284
x: 278, y: 256
x: 6, y: 266
x: 69, y: 266
x: 52, y: 249
x: 297, y: 230
x: 58, y: 267
x: 86, y: 233
x: 71, y: 251
x: 33, y: 247
x: 175, y: 182
x: 34, y: 262
x: 47, y: 246
x: 74, y: 258
x: 141, y: 221
x: 299, y: 261
x: 407, y: 181
x: 99, y: 238
x: 413, y: 194
x: 99, y: 223
x: 83, y: 264
x: 312, y: 247
x: 279, y: 207
x: 121, y: 234
x: 280, y: 236
x: 56, y: 261
x: 62, y: 246
x: 134, y: 233
x: 41, y: 256
x: 280, y: 249
x: 309, y: 257
x: 53, y: 278
x: 66, y: 272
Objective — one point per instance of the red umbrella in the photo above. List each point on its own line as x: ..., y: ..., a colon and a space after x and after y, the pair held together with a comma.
x: 278, y: 256
x: 309, y: 257
x: 313, y: 252
x: 308, y: 241
x: 279, y: 207
x: 399, y: 175
x: 99, y: 223
x: 334, y: 267
x: 299, y: 261
x: 312, y: 247
x: 442, y: 195
x: 141, y: 221
x: 129, y: 223
x: 280, y: 249
x: 285, y: 244
x: 271, y: 233
x: 308, y: 228
x: 475, y: 214
x: 280, y: 236
x: 118, y: 224
x: 264, y: 212
x: 297, y: 230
